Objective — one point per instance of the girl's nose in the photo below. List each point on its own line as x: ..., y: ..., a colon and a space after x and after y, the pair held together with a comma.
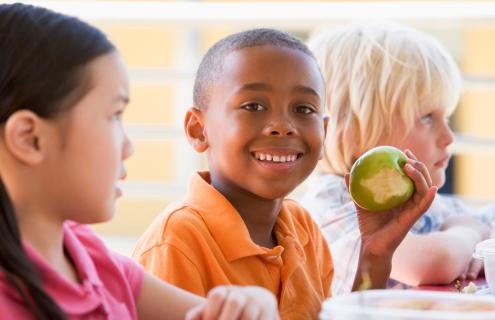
x: 128, y: 148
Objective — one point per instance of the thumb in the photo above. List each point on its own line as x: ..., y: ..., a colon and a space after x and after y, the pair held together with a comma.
x: 423, y: 205
x: 195, y: 313
x: 346, y: 178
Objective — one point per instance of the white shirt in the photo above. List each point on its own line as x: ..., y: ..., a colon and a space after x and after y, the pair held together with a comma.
x: 331, y: 206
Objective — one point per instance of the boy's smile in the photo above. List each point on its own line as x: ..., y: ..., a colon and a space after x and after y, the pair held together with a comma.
x: 264, y: 122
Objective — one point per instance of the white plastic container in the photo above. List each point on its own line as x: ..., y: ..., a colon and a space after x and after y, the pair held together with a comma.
x: 408, y: 305
x: 485, y: 250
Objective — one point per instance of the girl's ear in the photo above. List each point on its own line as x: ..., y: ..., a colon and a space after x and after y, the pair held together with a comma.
x: 22, y: 137
x: 195, y: 129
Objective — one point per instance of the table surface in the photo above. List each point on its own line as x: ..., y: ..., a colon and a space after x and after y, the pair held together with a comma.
x: 482, y: 287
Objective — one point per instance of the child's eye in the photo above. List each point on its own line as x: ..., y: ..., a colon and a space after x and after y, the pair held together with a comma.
x: 118, y: 115
x: 253, y: 107
x: 304, y: 109
x: 427, y: 119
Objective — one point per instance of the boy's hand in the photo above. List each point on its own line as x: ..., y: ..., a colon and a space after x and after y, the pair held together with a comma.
x: 236, y: 302
x: 382, y: 232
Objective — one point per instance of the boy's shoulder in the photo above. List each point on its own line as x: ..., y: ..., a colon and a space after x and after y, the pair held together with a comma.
x: 176, y: 217
x: 178, y: 220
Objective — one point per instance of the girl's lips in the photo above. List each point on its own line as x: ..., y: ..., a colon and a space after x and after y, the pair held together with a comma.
x: 118, y: 192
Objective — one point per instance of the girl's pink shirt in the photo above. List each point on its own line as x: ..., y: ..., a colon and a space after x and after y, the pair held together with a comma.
x: 109, y: 283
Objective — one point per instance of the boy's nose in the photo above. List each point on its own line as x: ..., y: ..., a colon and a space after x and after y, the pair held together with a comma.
x: 280, y: 129
x: 447, y: 136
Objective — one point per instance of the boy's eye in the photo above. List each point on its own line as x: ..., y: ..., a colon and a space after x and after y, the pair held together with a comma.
x: 427, y: 119
x: 253, y: 107
x: 304, y: 109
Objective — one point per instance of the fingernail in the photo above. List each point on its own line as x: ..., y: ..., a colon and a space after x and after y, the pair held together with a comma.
x: 408, y: 166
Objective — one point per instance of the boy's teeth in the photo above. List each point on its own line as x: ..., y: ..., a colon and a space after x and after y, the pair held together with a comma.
x: 269, y: 157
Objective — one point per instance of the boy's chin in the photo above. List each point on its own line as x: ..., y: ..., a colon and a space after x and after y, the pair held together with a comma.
x: 438, y: 180
x: 273, y: 194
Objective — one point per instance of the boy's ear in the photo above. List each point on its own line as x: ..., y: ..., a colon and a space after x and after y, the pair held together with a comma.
x: 22, y: 137
x: 326, y: 119
x: 195, y: 129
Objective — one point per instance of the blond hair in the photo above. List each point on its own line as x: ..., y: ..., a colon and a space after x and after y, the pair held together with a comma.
x: 379, y: 77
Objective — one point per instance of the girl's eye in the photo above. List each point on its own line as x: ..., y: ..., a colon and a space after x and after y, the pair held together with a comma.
x: 118, y: 115
x: 304, y: 109
x: 253, y: 107
x: 427, y: 119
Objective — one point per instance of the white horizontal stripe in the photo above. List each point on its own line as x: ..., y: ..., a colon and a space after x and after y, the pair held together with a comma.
x: 259, y: 12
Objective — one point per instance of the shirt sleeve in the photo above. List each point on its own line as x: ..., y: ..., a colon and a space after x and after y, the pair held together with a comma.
x: 170, y: 264
x: 133, y: 272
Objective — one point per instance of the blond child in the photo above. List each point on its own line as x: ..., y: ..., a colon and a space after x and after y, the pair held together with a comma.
x: 63, y: 90
x: 388, y: 84
x: 258, y: 116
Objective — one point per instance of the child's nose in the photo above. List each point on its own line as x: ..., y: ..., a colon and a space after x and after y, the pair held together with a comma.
x: 280, y: 129
x: 447, y: 136
x: 128, y: 148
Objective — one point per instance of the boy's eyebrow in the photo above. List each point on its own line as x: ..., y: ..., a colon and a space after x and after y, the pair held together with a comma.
x: 256, y: 86
x: 259, y: 86
x: 306, y: 90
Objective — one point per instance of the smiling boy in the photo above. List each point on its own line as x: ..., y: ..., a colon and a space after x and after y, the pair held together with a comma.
x: 258, y: 115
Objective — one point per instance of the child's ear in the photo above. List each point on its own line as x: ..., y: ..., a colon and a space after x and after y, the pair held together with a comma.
x: 22, y: 137
x: 326, y: 119
x: 195, y: 129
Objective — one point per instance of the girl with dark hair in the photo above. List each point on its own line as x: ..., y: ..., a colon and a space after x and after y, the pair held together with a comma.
x: 63, y: 90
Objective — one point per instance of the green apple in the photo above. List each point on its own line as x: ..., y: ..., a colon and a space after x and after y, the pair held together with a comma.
x: 378, y: 181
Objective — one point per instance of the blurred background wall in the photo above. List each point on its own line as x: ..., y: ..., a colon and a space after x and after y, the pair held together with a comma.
x: 162, y: 43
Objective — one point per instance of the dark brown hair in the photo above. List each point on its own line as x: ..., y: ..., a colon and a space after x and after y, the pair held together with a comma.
x: 43, y: 55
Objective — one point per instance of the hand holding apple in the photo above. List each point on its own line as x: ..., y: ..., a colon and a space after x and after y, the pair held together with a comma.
x: 378, y: 181
x: 381, y: 233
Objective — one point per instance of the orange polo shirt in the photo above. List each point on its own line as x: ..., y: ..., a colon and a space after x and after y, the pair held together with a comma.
x: 203, y: 242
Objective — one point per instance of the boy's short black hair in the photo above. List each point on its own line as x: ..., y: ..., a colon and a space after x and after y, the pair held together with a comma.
x: 210, y: 67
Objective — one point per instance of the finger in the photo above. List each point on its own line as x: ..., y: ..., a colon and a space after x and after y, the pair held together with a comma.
x: 418, y: 179
x: 233, y: 306
x: 421, y: 167
x: 346, y: 179
x: 474, y: 269
x: 195, y: 313
x: 410, y: 154
x: 215, y: 302
x: 408, y: 220
x: 427, y: 200
x: 252, y: 313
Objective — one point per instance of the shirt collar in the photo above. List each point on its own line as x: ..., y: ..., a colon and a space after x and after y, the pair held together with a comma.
x: 226, y: 225
x: 67, y: 293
